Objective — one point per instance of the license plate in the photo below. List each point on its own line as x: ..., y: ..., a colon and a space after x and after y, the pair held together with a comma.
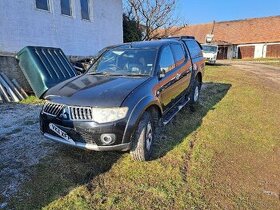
x: 61, y: 133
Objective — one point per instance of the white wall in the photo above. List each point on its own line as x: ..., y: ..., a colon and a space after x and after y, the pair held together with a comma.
x: 21, y: 24
x: 230, y: 52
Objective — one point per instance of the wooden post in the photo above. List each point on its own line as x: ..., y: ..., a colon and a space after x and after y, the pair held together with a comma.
x: 9, y: 90
x: 3, y: 93
x: 14, y: 89
x: 24, y: 94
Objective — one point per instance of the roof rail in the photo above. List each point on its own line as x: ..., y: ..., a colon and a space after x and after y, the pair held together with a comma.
x: 181, y: 37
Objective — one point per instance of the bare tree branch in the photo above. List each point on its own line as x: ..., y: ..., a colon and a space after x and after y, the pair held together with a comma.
x: 153, y: 16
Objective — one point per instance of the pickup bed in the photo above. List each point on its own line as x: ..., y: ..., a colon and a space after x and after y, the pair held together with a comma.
x: 126, y: 93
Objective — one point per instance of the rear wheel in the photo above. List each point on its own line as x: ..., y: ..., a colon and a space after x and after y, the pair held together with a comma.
x: 195, y: 94
x: 143, y: 138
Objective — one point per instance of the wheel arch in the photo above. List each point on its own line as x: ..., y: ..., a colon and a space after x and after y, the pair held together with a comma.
x: 146, y: 104
x: 199, y: 77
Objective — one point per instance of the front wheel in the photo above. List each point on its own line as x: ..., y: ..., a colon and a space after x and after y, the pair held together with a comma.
x: 143, y: 137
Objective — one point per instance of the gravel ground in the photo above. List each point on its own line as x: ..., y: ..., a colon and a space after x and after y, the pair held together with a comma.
x: 21, y: 146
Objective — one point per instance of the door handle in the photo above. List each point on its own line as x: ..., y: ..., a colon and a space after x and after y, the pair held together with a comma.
x: 178, y: 76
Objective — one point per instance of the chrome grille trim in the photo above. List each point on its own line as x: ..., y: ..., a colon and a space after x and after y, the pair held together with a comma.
x: 52, y: 109
x: 80, y: 113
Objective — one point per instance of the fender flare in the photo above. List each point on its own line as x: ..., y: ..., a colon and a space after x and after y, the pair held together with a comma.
x: 136, y: 114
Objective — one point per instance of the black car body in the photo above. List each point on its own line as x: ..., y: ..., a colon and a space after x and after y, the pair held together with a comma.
x: 106, y: 108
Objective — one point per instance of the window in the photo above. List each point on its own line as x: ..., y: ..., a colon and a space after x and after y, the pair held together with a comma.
x: 85, y: 9
x: 166, y: 61
x: 118, y: 61
x: 66, y: 7
x: 194, y: 48
x: 42, y: 4
x: 179, y: 53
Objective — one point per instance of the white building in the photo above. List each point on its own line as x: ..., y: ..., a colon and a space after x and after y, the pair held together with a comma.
x: 78, y: 27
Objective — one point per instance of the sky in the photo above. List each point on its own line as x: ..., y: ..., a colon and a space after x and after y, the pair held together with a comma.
x: 204, y: 11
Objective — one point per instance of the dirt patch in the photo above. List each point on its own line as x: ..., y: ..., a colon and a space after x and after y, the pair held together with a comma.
x: 263, y: 71
x: 21, y: 146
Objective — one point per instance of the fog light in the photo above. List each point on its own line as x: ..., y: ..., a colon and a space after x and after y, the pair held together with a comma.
x: 108, y: 139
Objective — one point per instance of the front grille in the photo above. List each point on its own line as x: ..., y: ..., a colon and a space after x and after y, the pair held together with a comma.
x: 52, y: 108
x: 80, y: 113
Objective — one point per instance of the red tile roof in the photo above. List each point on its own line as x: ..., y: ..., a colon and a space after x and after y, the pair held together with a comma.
x: 255, y: 30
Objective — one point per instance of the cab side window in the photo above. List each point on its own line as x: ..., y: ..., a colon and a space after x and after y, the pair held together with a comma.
x: 166, y: 61
x: 179, y: 54
x: 194, y: 48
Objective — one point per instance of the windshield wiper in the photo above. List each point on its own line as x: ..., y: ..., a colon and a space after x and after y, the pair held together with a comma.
x: 136, y: 75
x: 99, y: 73
x: 116, y: 75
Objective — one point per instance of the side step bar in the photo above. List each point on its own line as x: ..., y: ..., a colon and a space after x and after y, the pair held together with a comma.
x: 171, y: 114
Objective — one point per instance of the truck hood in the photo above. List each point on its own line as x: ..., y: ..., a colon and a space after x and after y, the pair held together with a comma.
x: 93, y: 90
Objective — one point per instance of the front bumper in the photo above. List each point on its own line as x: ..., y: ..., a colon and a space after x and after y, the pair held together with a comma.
x: 85, y: 135
x: 95, y: 147
x: 210, y: 60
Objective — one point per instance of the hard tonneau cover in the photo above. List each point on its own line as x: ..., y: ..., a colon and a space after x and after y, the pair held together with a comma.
x: 44, y: 67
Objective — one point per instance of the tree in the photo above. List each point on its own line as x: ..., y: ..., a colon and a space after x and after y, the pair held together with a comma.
x: 154, y: 17
x: 131, y: 30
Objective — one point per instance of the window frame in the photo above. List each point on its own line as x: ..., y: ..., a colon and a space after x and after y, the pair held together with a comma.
x: 88, y: 7
x: 184, y: 59
x: 196, y: 54
x: 70, y: 6
x: 39, y: 9
x: 159, y: 59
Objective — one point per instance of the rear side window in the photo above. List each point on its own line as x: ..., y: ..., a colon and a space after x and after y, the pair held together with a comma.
x: 166, y: 61
x: 194, y: 48
x: 179, y: 53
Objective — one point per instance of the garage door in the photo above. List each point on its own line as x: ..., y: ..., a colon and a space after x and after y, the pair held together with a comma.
x: 246, y: 52
x: 273, y: 51
x: 222, y: 53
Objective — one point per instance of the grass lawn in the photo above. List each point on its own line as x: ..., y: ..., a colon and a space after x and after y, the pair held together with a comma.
x: 224, y: 156
x: 32, y: 100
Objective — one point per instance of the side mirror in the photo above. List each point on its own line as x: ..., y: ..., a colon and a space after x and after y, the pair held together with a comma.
x: 162, y: 73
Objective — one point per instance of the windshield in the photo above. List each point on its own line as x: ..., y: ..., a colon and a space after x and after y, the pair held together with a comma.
x: 120, y: 61
x: 207, y: 48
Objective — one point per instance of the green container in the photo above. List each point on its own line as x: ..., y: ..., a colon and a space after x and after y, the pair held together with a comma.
x: 44, y: 67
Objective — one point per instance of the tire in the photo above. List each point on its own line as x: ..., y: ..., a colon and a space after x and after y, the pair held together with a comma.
x: 194, y: 97
x: 142, y: 141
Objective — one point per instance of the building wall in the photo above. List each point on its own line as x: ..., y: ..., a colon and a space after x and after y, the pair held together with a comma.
x: 230, y: 52
x: 22, y: 24
x: 260, y: 50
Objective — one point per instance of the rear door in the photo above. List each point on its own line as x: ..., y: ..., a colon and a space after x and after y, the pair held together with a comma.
x: 184, y: 67
x: 176, y: 77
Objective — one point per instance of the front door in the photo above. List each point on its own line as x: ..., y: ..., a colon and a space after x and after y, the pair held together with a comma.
x: 176, y: 78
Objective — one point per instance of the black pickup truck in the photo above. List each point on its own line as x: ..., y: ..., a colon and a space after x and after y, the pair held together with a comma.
x: 127, y: 92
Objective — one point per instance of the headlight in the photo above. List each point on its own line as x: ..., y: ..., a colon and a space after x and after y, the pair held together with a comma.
x: 105, y: 115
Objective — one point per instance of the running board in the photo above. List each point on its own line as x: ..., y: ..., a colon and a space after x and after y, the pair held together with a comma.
x: 171, y: 114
